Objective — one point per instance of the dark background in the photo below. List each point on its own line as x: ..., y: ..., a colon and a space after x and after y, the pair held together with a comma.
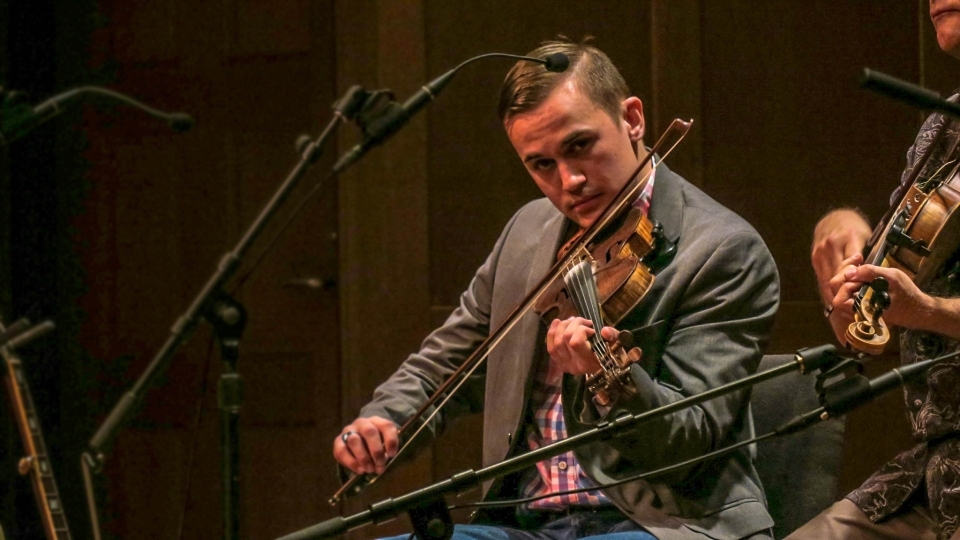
x: 110, y: 223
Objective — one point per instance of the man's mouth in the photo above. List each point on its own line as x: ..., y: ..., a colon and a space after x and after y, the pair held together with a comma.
x: 579, y: 203
x: 941, y: 11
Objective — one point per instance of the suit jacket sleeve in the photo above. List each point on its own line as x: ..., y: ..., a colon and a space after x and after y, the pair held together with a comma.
x: 440, y: 354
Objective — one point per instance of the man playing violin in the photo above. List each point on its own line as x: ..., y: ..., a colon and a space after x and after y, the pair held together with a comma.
x: 917, y: 495
x: 703, y: 323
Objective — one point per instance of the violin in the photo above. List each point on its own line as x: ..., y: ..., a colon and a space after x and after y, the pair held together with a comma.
x: 409, y: 431
x: 917, y: 237
x: 603, y: 283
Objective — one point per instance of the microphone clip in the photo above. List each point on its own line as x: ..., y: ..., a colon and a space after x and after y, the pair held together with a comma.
x: 844, y: 368
x: 375, y: 109
x: 14, y: 109
x: 840, y: 378
x: 836, y: 383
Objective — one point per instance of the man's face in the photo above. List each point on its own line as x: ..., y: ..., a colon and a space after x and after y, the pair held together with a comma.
x: 575, y: 152
x: 945, y: 15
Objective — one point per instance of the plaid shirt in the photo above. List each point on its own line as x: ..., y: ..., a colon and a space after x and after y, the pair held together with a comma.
x: 559, y: 473
x: 563, y: 472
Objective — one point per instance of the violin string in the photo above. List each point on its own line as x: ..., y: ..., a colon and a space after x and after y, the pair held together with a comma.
x: 607, y: 359
x: 593, y: 306
x: 576, y: 288
x: 925, y: 185
x: 605, y: 356
x: 583, y: 291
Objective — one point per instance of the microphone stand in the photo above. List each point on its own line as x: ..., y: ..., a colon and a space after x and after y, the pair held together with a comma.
x: 227, y: 317
x: 837, y: 399
x: 429, y: 513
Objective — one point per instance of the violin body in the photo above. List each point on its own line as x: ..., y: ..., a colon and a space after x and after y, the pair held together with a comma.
x: 618, y: 279
x: 621, y: 274
x: 935, y: 224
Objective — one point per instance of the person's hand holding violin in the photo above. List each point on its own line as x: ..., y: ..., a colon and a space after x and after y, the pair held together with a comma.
x: 568, y: 343
x: 909, y: 306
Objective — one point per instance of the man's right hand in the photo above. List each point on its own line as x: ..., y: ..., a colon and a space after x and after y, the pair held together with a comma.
x: 365, y: 445
x: 839, y: 236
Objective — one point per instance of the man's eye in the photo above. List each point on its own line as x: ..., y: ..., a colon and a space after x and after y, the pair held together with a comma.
x: 580, y: 144
x: 543, y: 164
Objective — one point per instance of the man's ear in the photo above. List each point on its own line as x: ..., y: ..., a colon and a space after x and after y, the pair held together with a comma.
x: 633, y: 118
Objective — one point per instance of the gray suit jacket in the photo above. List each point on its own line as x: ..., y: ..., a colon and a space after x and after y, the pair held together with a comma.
x: 703, y: 323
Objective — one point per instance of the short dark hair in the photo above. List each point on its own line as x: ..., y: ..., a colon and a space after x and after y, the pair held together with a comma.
x: 527, y: 84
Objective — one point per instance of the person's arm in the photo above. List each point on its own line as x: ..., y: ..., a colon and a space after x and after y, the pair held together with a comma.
x: 418, y: 378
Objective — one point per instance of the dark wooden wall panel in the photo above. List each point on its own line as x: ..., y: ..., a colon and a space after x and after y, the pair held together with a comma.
x: 286, y: 502
x: 676, y: 86
x: 148, y: 466
x: 164, y: 209
x: 264, y: 27
x: 787, y: 131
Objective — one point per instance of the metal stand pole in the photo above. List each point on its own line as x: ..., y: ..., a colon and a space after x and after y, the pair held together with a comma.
x: 229, y: 319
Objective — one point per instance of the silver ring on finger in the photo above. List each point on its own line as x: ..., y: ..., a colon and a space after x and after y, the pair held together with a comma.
x: 346, y: 435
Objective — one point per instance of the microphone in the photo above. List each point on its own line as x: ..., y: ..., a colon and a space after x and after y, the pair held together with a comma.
x: 381, y: 128
x: 16, y: 120
x: 912, y: 94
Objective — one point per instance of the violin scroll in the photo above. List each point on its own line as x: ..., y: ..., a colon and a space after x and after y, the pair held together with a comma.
x: 868, y: 333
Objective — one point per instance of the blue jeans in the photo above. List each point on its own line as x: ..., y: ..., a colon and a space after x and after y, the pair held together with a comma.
x: 603, y: 525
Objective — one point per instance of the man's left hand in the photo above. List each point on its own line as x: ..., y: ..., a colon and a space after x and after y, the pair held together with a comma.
x: 568, y: 343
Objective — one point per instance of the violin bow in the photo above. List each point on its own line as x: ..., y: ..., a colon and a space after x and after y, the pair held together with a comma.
x: 671, y: 137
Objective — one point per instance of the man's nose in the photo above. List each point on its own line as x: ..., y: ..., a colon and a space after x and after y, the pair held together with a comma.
x: 572, y: 178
